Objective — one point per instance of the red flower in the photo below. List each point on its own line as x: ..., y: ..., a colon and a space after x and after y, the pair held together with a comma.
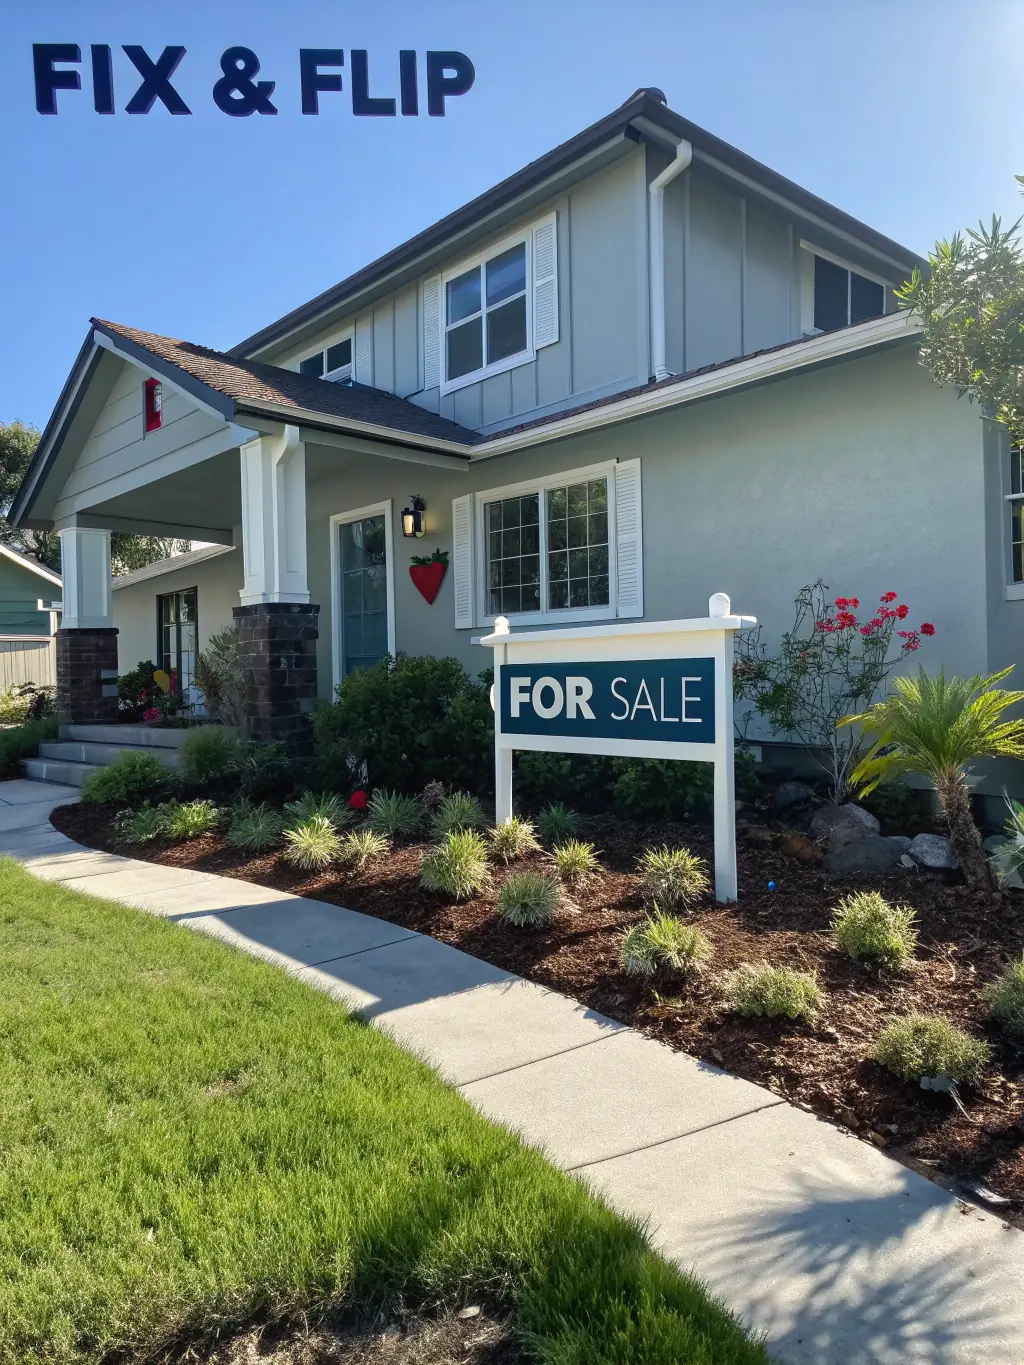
x: 358, y: 800
x: 903, y: 611
x: 842, y: 601
x: 151, y: 715
x: 927, y: 628
x: 845, y: 620
x: 888, y: 597
x: 878, y: 622
x: 854, y: 602
x: 865, y: 630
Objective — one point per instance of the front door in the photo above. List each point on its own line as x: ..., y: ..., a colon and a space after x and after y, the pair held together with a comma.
x: 178, y: 640
x: 363, y: 590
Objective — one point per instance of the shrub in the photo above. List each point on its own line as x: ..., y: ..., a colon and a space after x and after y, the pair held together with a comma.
x: 583, y: 780
x: 457, y: 867
x: 208, y: 755
x: 25, y: 701
x: 556, y: 823
x: 312, y: 845
x: 255, y: 829
x: 390, y: 813
x: 411, y: 721
x: 128, y: 780
x: 361, y: 846
x: 1005, y: 998
x: 139, y: 826
x: 529, y: 899
x: 773, y: 991
x: 672, y: 877
x: 310, y: 804
x: 220, y: 678
x: 575, y: 861
x: 513, y: 838
x: 136, y: 691
x: 664, y: 943
x: 23, y: 742
x: 457, y: 810
x: 866, y: 926
x: 189, y: 819
x: 920, y: 1045
x: 264, y: 771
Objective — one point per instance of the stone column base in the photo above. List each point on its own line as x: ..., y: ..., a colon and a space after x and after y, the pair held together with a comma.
x: 87, y: 676
x: 278, y: 655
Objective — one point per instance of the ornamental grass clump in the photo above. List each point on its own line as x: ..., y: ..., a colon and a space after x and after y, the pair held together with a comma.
x: 921, y: 1046
x: 391, y: 814
x: 575, y: 862
x: 254, y: 829
x: 313, y: 845
x: 869, y: 929
x: 457, y: 810
x: 763, y: 990
x: 512, y: 839
x: 189, y: 819
x: 310, y: 804
x: 557, y: 823
x: 529, y: 899
x: 672, y: 878
x: 139, y: 826
x: 664, y: 943
x: 1005, y: 999
x: 362, y: 846
x: 457, y: 867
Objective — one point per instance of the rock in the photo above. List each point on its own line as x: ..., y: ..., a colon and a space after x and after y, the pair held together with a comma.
x: 849, y: 1118
x: 907, y: 861
x: 473, y: 1311
x: 933, y: 850
x: 994, y: 843
x: 1006, y: 872
x: 987, y: 1196
x: 792, y: 794
x: 902, y: 840
x: 870, y: 854
x: 758, y: 834
x: 801, y: 848
x: 840, y: 824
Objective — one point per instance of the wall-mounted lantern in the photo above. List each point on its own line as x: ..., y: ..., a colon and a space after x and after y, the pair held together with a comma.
x: 413, y: 521
x: 152, y: 405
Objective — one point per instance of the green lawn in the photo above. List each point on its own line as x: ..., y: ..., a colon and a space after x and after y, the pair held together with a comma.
x: 190, y: 1139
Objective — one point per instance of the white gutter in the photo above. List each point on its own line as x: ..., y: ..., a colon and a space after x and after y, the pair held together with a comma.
x: 682, y: 159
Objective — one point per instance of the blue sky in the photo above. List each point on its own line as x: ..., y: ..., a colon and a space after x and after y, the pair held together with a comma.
x: 906, y: 113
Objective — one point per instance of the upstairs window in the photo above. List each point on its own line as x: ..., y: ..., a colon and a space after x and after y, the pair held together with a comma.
x: 335, y: 363
x: 485, y: 314
x: 1015, y: 504
x: 843, y: 296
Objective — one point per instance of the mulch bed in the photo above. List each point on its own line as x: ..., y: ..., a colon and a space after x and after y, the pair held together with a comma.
x: 966, y: 940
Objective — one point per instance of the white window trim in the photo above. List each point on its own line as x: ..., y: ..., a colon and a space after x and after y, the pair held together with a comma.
x: 1014, y: 591
x: 343, y: 371
x: 340, y: 519
x: 512, y: 362
x: 563, y: 615
x: 810, y: 250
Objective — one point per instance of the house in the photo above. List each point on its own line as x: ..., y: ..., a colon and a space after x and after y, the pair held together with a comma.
x: 643, y: 369
x: 29, y: 609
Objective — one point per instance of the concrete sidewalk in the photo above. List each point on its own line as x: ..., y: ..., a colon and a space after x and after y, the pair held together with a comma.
x: 839, y: 1254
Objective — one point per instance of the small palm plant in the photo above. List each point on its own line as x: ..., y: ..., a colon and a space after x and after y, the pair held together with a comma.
x: 937, y: 726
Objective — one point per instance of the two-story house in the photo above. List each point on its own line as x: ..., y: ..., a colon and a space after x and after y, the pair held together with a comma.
x: 643, y: 369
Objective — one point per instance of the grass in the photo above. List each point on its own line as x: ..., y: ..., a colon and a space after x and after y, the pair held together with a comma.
x: 767, y: 991
x: 1005, y: 998
x: 929, y: 1045
x: 457, y: 866
x: 867, y: 928
x: 664, y: 943
x: 192, y: 1140
x: 672, y: 878
x: 575, y: 862
x: 529, y: 899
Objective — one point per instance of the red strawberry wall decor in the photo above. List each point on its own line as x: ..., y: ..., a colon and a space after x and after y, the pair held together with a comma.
x: 428, y: 571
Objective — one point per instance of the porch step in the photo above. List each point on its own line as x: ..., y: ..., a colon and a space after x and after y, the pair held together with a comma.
x: 63, y: 771
x: 130, y: 736
x: 99, y: 754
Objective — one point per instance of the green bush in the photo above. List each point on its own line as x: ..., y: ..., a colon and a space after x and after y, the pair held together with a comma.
x: 255, y: 829
x: 920, y: 1045
x: 867, y: 927
x: 664, y: 943
x: 391, y: 814
x: 312, y: 845
x: 139, y: 826
x: 25, y: 702
x: 557, y: 823
x: 23, y: 742
x: 310, y: 804
x: 1005, y: 998
x: 131, y: 778
x: 668, y: 789
x: 265, y: 772
x: 411, y: 721
x: 189, y: 819
x: 457, y: 810
x: 361, y: 846
x: 584, y: 781
x: 513, y: 838
x: 529, y: 899
x: 773, y: 991
x: 672, y: 877
x: 575, y: 862
x: 457, y: 867
x: 209, y: 755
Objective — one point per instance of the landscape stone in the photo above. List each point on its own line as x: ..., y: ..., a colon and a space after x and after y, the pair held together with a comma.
x: 841, y: 824
x: 935, y: 851
x: 907, y: 861
x: 994, y: 843
x: 868, y: 854
x: 792, y: 794
x: 903, y: 841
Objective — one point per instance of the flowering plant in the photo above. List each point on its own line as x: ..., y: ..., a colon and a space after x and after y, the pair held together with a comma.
x: 832, y: 662
x: 358, y: 800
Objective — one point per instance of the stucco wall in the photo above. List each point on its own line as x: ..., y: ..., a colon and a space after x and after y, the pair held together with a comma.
x: 217, y: 580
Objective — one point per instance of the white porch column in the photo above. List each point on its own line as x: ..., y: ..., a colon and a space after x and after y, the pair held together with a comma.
x: 85, y: 570
x: 274, y: 519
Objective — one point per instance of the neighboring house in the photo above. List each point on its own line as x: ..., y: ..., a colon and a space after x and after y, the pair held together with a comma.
x: 29, y: 611
x: 641, y: 370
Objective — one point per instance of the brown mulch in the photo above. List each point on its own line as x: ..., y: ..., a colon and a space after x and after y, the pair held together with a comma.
x: 966, y: 940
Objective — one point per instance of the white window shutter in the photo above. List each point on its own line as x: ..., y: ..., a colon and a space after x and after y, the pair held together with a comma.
x: 364, y: 350
x: 545, y: 282
x: 462, y: 572
x: 431, y: 332
x: 629, y: 547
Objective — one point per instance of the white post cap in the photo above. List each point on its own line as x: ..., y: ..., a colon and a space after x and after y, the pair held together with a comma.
x: 719, y: 604
x: 502, y: 627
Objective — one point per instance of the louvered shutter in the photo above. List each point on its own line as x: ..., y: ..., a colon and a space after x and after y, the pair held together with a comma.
x: 545, y: 282
x: 629, y: 549
x: 462, y: 572
x: 431, y: 313
x: 364, y: 350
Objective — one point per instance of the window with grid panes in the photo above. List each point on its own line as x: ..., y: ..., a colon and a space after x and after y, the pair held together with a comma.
x: 1015, y: 501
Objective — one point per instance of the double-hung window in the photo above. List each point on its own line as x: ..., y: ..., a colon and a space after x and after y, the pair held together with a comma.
x: 334, y: 363
x: 1015, y: 505
x: 838, y: 294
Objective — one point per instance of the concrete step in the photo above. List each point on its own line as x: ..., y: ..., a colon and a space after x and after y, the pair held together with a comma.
x: 131, y: 736
x: 60, y: 770
x: 98, y: 754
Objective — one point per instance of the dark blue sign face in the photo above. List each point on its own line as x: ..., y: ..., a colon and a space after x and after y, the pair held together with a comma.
x: 668, y: 700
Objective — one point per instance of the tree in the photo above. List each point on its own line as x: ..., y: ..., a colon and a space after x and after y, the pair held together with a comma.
x: 937, y: 727
x: 18, y: 442
x: 971, y: 306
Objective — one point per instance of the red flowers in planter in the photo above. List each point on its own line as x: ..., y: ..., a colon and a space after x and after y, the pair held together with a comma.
x: 358, y: 800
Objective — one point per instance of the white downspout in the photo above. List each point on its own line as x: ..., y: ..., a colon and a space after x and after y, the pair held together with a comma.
x: 682, y: 159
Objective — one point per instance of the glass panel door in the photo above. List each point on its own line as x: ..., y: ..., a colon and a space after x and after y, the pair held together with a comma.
x: 364, y: 592
x: 179, y: 641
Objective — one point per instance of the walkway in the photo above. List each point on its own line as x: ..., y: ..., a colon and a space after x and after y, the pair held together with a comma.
x: 834, y: 1250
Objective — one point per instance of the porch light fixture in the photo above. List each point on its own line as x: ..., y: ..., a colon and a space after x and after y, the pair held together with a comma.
x: 413, y: 520
x: 153, y: 405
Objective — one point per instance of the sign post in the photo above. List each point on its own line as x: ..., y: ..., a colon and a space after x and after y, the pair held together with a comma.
x: 646, y: 689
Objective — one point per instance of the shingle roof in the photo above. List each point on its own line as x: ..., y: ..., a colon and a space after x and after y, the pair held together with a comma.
x: 252, y: 385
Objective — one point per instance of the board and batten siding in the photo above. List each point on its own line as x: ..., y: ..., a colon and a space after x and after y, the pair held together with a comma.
x: 28, y: 661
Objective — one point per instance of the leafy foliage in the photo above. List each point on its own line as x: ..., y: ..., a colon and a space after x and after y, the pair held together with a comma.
x: 131, y: 778
x: 763, y: 990
x: 575, y: 862
x: 23, y: 741
x: 220, y: 677
x: 25, y: 701
x: 139, y: 826
x: 310, y: 804
x: 313, y: 844
x: 208, y: 755
x: 1011, y: 851
x: 361, y: 846
x: 664, y: 943
x: 585, y: 781
x: 189, y: 819
x: 640, y: 788
x: 255, y: 829
x: 529, y: 899
x: 457, y: 867
x: 513, y: 838
x: 556, y: 823
x: 672, y: 877
x: 921, y: 1045
x: 390, y: 813
x: 1005, y: 998
x: 264, y: 771
x: 867, y: 927
x: 457, y: 810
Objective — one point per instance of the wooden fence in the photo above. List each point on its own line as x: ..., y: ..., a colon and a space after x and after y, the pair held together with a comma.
x: 27, y: 658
